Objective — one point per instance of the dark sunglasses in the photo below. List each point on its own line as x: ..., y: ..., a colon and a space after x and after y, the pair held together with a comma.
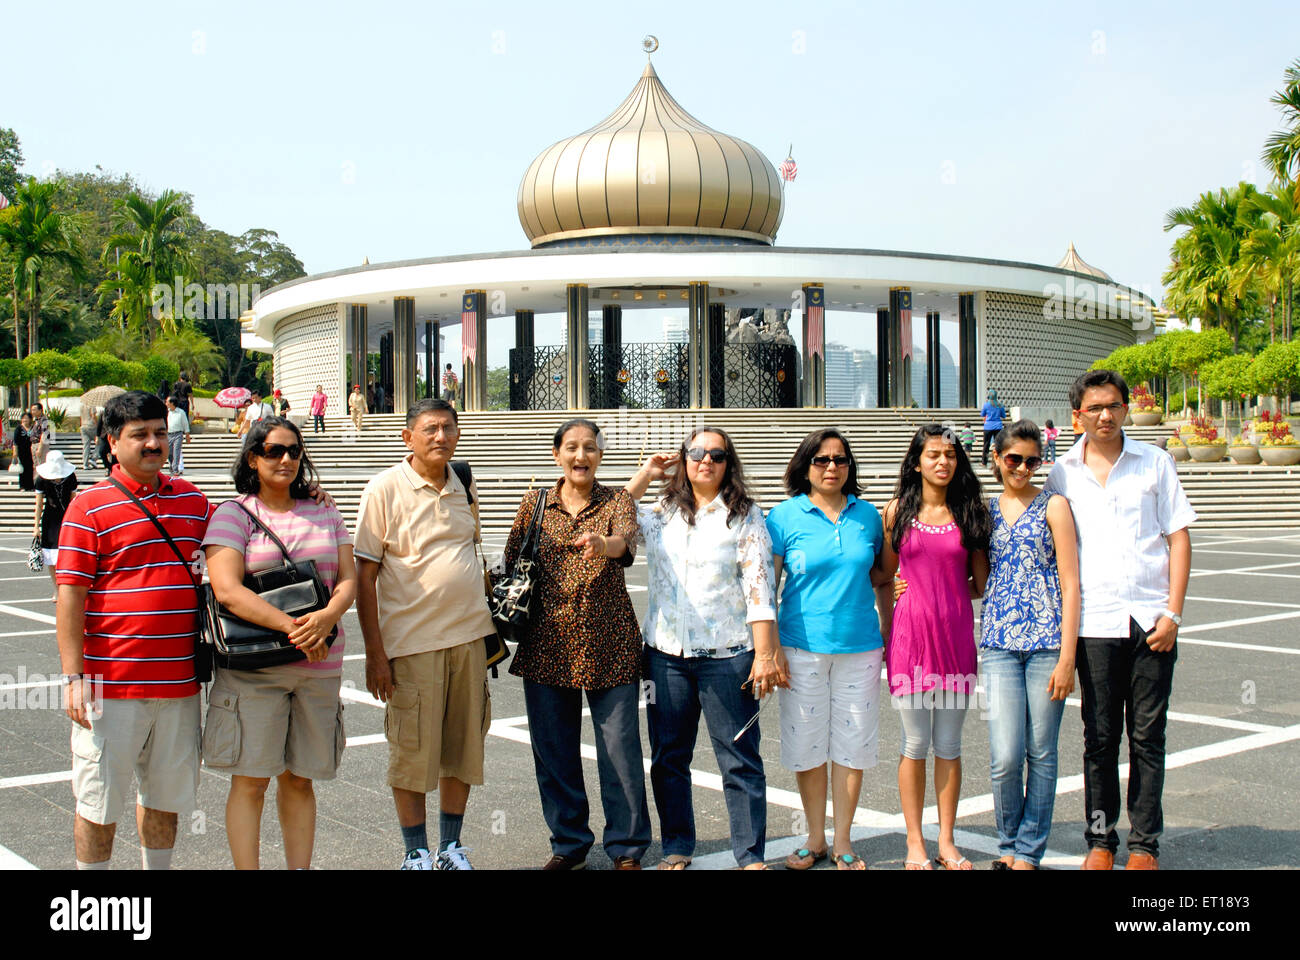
x: 276, y: 451
x: 840, y: 461
x: 1013, y: 460
x: 717, y: 454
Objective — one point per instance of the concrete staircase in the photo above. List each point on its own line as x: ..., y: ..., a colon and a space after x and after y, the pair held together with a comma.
x: 511, y: 451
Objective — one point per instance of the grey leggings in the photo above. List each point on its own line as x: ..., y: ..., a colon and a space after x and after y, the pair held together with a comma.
x: 936, y: 715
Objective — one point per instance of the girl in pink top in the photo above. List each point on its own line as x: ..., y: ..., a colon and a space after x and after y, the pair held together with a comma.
x: 937, y: 531
x: 317, y: 409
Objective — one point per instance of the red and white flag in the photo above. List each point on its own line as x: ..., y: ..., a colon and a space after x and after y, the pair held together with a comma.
x: 788, y: 169
x: 815, y: 314
x: 4, y: 201
x: 468, y: 329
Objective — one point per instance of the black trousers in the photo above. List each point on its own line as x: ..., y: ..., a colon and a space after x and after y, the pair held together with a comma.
x: 988, y: 438
x: 1125, y: 687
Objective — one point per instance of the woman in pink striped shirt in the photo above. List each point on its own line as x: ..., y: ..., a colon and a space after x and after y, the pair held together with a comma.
x: 287, y: 721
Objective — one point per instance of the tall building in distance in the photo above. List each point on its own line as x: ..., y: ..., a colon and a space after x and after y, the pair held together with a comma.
x: 851, y: 377
x: 676, y: 330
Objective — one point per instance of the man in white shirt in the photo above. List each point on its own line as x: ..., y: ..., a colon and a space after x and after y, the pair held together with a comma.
x: 1135, y: 557
x: 257, y: 410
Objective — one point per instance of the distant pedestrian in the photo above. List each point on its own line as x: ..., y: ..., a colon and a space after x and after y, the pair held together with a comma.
x: 24, y: 444
x: 183, y: 391
x: 1050, y: 433
x: 449, y: 383
x: 317, y: 409
x: 968, y: 439
x: 164, y: 390
x: 42, y: 434
x: 88, y: 438
x: 993, y: 413
x: 56, y: 485
x: 178, y: 434
x: 381, y: 399
x: 357, y: 406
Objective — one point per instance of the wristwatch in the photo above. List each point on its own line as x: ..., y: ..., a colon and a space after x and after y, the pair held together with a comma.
x: 67, y: 678
x: 1178, y: 621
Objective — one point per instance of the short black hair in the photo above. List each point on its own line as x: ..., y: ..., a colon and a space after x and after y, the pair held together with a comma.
x: 131, y: 406
x: 1020, y: 430
x: 568, y: 425
x: 1096, y: 378
x: 796, y: 472
x: 429, y: 405
x: 38, y: 405
x: 449, y: 366
x: 246, y: 478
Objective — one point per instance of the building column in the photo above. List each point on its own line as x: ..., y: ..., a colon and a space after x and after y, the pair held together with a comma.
x: 699, y: 388
x: 403, y: 353
x: 523, y: 362
x: 900, y: 347
x: 932, y: 359
x: 473, y: 350
x: 884, y: 336
x: 611, y: 337
x: 430, y: 366
x: 359, y: 332
x: 575, y: 354
x: 437, y: 359
x: 968, y: 395
x: 814, y: 345
x: 717, y: 343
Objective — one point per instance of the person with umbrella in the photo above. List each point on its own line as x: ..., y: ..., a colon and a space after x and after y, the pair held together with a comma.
x: 233, y: 398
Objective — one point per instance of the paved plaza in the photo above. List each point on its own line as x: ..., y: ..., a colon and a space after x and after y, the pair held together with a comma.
x: 1230, y: 793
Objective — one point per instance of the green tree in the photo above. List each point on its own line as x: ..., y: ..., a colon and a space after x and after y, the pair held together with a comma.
x: 189, y: 350
x: 157, y: 369
x: 498, y: 388
x: 1192, y: 351
x: 156, y: 236
x: 11, y: 161
x: 95, y: 369
x: 48, y: 367
x: 1282, y: 149
x: 1229, y: 380
x: 13, y: 372
x: 1277, y: 371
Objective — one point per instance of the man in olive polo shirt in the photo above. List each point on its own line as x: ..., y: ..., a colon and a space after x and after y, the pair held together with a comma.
x: 423, y: 616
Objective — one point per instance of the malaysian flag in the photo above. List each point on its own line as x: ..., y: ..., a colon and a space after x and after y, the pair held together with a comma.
x: 468, y: 328
x: 905, y: 321
x: 788, y: 167
x: 4, y: 201
x: 814, y: 314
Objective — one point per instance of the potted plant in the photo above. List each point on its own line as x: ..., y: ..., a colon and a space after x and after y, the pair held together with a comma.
x: 1242, y: 451
x: 6, y: 453
x: 1203, y: 441
x: 1144, y: 407
x: 1279, y: 447
x: 1177, y: 449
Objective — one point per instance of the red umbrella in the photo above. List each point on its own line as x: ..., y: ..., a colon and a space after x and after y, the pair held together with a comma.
x: 233, y: 397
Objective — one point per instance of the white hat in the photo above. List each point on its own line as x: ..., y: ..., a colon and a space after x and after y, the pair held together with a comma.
x: 56, y: 466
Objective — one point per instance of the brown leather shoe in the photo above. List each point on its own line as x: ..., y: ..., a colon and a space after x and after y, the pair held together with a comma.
x: 626, y: 863
x: 1141, y: 860
x: 561, y: 862
x: 1098, y: 858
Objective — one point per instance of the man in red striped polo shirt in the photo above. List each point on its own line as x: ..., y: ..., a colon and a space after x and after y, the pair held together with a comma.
x: 126, y: 618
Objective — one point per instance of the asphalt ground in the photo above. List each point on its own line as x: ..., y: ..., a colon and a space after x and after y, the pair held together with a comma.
x: 1231, y: 795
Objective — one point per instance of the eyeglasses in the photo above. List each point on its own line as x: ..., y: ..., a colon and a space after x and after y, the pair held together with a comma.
x: 276, y: 451
x: 1097, y: 409
x: 717, y: 454
x: 1014, y: 460
x: 822, y: 461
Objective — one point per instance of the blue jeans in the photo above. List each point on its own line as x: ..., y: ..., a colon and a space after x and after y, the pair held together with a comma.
x: 1023, y: 725
x: 555, y: 726
x: 682, y: 687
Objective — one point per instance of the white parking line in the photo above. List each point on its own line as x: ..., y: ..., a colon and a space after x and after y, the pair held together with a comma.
x: 27, y: 633
x: 26, y: 614
x: 35, y: 779
x: 1241, y: 570
x: 11, y: 861
x: 1246, y: 603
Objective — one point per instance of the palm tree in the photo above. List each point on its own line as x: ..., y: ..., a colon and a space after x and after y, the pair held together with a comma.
x: 1271, y: 252
x: 1282, y: 148
x: 1204, y: 271
x: 158, y: 236
x: 189, y: 349
x: 131, y: 294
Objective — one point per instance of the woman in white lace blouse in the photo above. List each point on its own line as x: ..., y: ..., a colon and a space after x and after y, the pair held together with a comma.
x: 711, y: 640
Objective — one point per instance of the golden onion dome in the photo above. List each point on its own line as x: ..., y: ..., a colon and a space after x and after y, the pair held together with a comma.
x: 650, y: 168
x: 1072, y: 261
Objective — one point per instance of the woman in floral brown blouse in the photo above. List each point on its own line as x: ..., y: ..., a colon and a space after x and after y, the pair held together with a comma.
x: 584, y: 636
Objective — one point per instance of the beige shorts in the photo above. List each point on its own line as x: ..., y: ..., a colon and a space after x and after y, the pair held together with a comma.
x: 264, y: 722
x: 157, y: 739
x: 438, y: 717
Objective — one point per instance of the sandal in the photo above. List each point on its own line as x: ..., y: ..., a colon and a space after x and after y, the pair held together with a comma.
x: 847, y: 861
x: 950, y: 864
x: 917, y: 865
x: 803, y: 859
x: 674, y: 861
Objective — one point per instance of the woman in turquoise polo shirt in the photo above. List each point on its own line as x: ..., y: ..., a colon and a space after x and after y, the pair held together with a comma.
x: 828, y: 543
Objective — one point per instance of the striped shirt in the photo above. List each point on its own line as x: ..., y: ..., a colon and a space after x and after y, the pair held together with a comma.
x: 309, y: 531
x: 141, y: 609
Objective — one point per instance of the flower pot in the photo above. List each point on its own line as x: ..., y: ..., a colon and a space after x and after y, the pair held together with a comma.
x: 1178, y: 452
x: 1128, y: 420
x: 1282, y: 456
x: 1207, y: 452
x: 1245, y: 453
x: 1148, y: 418
x: 5, y: 460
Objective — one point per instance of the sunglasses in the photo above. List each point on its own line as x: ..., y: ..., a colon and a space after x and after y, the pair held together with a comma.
x: 840, y: 461
x: 717, y: 454
x: 1014, y: 460
x: 276, y: 451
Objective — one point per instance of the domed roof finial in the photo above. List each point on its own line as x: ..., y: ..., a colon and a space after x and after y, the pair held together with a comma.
x: 649, y: 43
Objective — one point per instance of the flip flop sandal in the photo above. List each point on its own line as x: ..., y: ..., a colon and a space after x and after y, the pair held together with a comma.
x: 953, y: 864
x: 674, y: 861
x: 803, y: 859
x: 848, y: 861
x: 917, y: 865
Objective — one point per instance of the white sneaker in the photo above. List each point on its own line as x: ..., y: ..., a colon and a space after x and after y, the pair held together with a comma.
x: 419, y: 859
x: 453, y: 858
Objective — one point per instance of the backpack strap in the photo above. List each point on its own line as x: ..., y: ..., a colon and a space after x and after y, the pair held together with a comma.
x: 466, y: 476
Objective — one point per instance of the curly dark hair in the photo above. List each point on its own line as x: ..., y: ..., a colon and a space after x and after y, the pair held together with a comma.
x: 246, y: 478
x: 677, y: 488
x: 796, y: 472
x: 964, y: 496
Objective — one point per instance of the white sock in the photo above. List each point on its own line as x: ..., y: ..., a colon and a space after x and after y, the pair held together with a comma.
x: 156, y: 859
x: 98, y: 865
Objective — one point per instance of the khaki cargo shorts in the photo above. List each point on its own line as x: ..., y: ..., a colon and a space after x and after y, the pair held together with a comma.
x: 437, y: 718
x: 156, y: 739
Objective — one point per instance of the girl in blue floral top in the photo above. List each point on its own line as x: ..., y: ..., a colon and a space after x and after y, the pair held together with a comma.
x: 1029, y: 632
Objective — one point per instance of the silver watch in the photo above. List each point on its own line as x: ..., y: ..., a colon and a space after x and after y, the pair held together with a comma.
x: 1178, y: 621
x: 67, y: 678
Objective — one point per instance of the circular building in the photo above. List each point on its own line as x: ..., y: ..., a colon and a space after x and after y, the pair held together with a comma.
x: 652, y: 209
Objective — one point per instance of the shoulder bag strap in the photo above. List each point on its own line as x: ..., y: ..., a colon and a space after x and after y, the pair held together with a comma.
x: 198, y: 589
x: 288, y: 560
x: 466, y: 475
x: 533, y: 539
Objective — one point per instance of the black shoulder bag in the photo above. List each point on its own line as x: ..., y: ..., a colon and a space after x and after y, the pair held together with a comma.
x: 202, y: 649
x: 512, y: 594
x: 495, y: 647
x: 295, y: 588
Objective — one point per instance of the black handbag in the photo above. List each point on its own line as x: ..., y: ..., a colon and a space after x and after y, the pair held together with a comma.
x: 295, y: 588
x: 512, y: 594
x: 494, y: 646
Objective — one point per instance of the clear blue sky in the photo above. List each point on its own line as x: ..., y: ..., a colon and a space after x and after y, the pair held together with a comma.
x: 401, y: 130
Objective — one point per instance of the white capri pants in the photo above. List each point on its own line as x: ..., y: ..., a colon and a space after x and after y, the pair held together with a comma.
x: 936, y: 715
x: 831, y: 710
